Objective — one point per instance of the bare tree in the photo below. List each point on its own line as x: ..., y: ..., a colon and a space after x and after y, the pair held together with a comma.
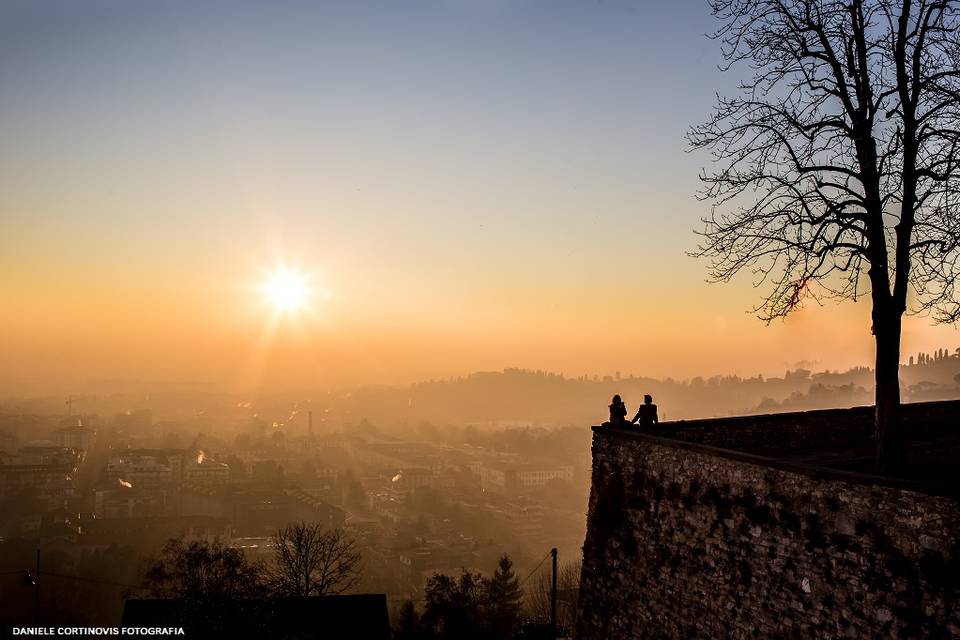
x: 836, y: 165
x: 312, y: 562
x: 537, y: 596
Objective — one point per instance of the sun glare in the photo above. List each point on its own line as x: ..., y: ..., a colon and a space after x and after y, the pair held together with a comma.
x: 287, y: 290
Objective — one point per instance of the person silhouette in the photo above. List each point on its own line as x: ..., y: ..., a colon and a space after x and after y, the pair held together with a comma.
x: 646, y: 414
x: 618, y: 412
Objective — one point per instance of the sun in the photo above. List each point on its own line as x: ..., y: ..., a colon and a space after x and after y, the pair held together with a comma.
x: 287, y: 290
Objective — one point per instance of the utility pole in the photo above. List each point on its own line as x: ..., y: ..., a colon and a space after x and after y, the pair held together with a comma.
x: 553, y: 593
x: 36, y: 593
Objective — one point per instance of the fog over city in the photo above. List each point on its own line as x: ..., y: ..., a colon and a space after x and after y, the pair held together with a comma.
x: 432, y: 477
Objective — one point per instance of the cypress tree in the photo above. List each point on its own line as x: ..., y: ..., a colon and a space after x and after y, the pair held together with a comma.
x: 504, y: 596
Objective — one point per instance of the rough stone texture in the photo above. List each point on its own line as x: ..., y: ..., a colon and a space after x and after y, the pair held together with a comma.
x: 779, y: 434
x: 689, y: 541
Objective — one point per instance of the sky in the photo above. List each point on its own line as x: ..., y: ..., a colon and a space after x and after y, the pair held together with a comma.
x: 466, y: 184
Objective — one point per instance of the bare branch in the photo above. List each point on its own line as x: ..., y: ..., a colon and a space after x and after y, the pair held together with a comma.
x: 836, y: 167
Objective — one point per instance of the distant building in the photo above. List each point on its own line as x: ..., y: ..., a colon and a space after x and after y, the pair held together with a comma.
x: 267, y: 472
x: 130, y: 502
x: 415, y: 478
x: 8, y: 441
x: 60, y: 526
x: 76, y: 437
x: 45, y: 454
x: 148, y: 468
x: 510, y: 477
x: 436, y: 555
x: 45, y: 479
x: 208, y: 473
x: 256, y: 510
x: 141, y: 483
x: 386, y: 499
x: 48, y: 472
x: 524, y: 518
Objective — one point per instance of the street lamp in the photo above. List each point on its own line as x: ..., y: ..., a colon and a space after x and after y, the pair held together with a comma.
x: 33, y: 580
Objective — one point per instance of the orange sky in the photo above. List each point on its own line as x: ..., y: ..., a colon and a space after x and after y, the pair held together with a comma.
x: 76, y: 324
x: 478, y: 186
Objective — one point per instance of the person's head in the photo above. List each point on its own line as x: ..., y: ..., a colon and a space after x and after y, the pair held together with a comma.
x: 647, y: 399
x: 616, y: 399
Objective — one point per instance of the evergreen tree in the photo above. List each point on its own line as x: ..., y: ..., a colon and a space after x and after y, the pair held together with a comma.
x: 408, y: 626
x: 504, y: 597
x: 454, y: 607
x: 470, y: 607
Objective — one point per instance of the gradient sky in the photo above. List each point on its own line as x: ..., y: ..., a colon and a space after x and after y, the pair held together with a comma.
x: 477, y: 183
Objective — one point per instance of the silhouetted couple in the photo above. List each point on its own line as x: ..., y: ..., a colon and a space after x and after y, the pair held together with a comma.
x: 646, y: 414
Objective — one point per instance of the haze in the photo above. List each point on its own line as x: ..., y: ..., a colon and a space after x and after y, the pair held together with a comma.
x: 469, y: 185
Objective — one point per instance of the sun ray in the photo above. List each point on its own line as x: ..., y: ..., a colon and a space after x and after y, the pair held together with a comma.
x: 287, y: 290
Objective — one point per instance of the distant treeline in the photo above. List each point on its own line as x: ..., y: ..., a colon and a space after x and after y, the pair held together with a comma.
x: 519, y: 397
x: 516, y: 396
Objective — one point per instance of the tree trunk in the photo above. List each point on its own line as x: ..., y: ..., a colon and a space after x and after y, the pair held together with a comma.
x: 889, y: 430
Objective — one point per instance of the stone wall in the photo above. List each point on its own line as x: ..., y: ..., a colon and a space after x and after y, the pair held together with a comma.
x: 687, y: 541
x: 775, y: 434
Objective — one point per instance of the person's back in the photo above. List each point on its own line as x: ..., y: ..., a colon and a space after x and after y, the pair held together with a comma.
x: 647, y: 413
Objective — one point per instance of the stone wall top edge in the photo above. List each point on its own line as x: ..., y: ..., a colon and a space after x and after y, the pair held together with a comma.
x: 812, y: 471
x: 789, y: 415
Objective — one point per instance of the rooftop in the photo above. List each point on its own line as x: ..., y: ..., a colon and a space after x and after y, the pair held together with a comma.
x: 350, y: 616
